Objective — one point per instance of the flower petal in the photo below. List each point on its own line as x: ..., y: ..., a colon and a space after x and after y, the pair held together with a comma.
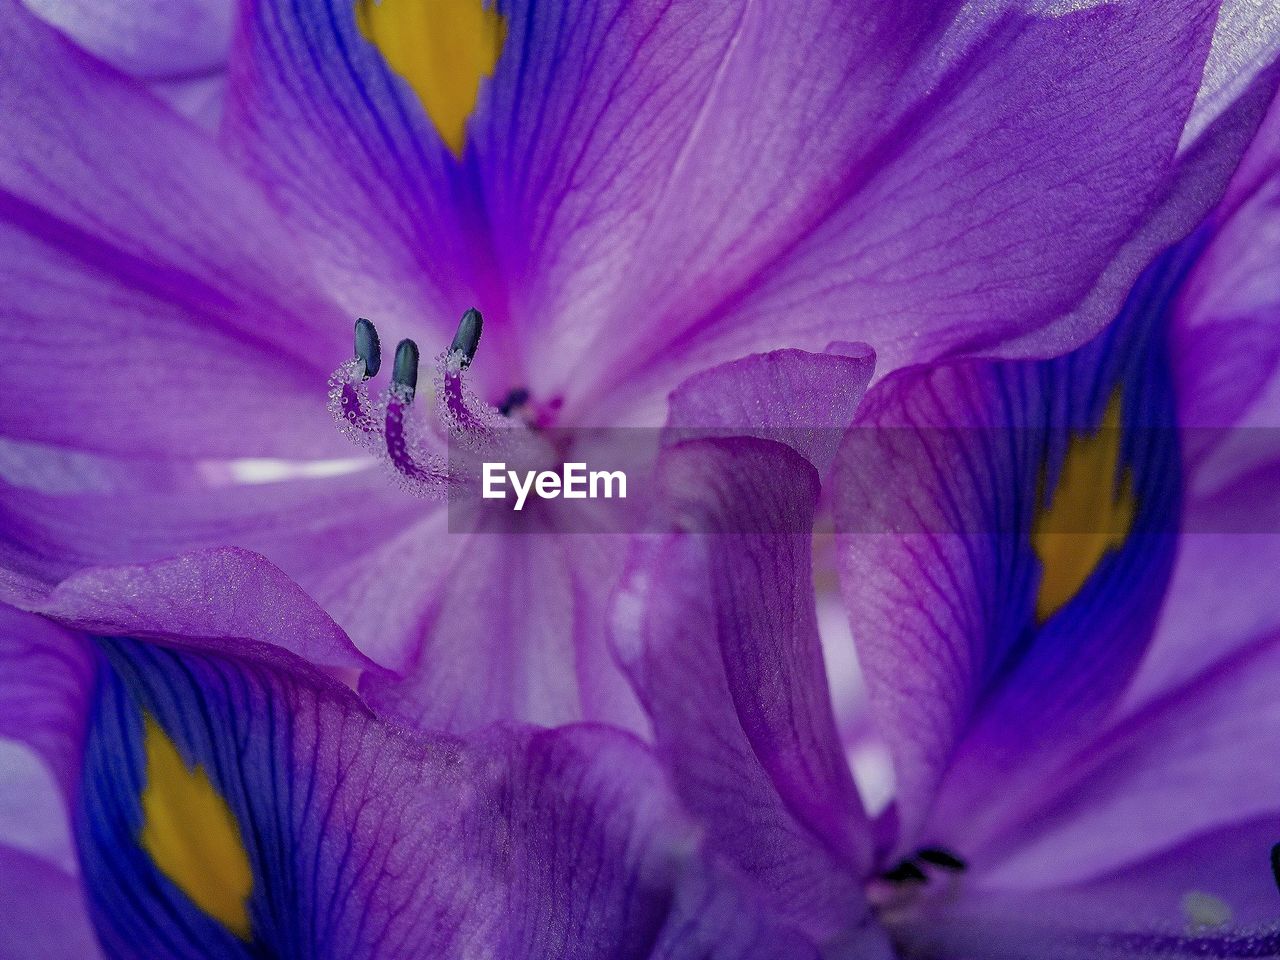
x: 44, y: 911
x: 150, y: 39
x: 155, y: 307
x: 716, y: 626
x: 348, y: 838
x: 46, y: 679
x: 1008, y: 530
x: 352, y: 542
x: 1155, y: 841
x: 1184, y: 765
x: 621, y: 138
x: 1214, y: 896
x: 507, y: 625
x: 984, y: 211
x: 347, y: 152
x: 226, y: 592
x: 804, y: 400
x: 1246, y: 39
x: 1226, y: 355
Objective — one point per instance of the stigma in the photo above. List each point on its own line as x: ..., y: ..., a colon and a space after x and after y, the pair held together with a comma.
x: 414, y: 448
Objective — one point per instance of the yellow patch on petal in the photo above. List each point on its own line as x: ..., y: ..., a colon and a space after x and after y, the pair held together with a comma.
x: 443, y: 48
x: 1089, y: 515
x: 192, y: 835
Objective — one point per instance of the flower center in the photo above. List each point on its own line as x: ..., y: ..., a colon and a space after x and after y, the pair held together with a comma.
x: 900, y: 886
x: 417, y: 452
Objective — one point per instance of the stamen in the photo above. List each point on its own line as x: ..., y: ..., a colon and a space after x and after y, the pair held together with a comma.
x: 942, y: 858
x: 467, y: 339
x: 426, y: 473
x: 905, y: 872
x: 368, y: 347
x: 472, y: 422
x: 349, y: 402
x: 404, y: 372
x: 385, y: 427
x: 1275, y: 864
x: 516, y: 399
x: 348, y: 397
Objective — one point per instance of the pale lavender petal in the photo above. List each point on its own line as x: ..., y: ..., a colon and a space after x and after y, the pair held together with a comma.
x: 44, y: 911
x: 716, y: 625
x: 147, y: 39
x: 46, y: 679
x: 505, y: 625
x: 225, y: 592
x: 353, y: 542
x: 1246, y: 40
x: 640, y: 162
x: 1213, y: 896
x: 46, y: 676
x: 805, y: 400
x: 155, y: 304
x: 992, y: 207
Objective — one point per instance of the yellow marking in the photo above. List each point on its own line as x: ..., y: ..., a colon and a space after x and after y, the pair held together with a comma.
x: 1090, y: 514
x: 443, y: 48
x: 192, y: 835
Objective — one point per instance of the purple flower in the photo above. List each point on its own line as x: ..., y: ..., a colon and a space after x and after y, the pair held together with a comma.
x: 200, y: 794
x: 631, y: 193
x: 1058, y: 577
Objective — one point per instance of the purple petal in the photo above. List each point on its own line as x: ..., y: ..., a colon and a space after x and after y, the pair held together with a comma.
x: 1186, y: 764
x: 1226, y: 353
x: 987, y: 648
x: 1156, y: 841
x: 1201, y: 174
x: 349, y: 155
x: 156, y: 306
x: 509, y: 625
x: 44, y: 911
x: 351, y: 541
x: 621, y: 138
x: 1221, y: 598
x: 991, y: 210
x: 718, y: 631
x: 805, y: 400
x: 46, y: 680
x: 1245, y: 43
x: 45, y: 684
x: 226, y: 593
x: 147, y: 39
x: 441, y: 608
x: 1224, y: 340
x: 362, y: 841
x: 1214, y: 896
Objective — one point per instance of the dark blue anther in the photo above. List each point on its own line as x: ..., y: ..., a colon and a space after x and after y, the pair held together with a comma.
x: 404, y: 372
x: 368, y: 347
x: 467, y: 338
x: 516, y: 399
x: 905, y: 872
x: 942, y: 858
x: 1275, y: 863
